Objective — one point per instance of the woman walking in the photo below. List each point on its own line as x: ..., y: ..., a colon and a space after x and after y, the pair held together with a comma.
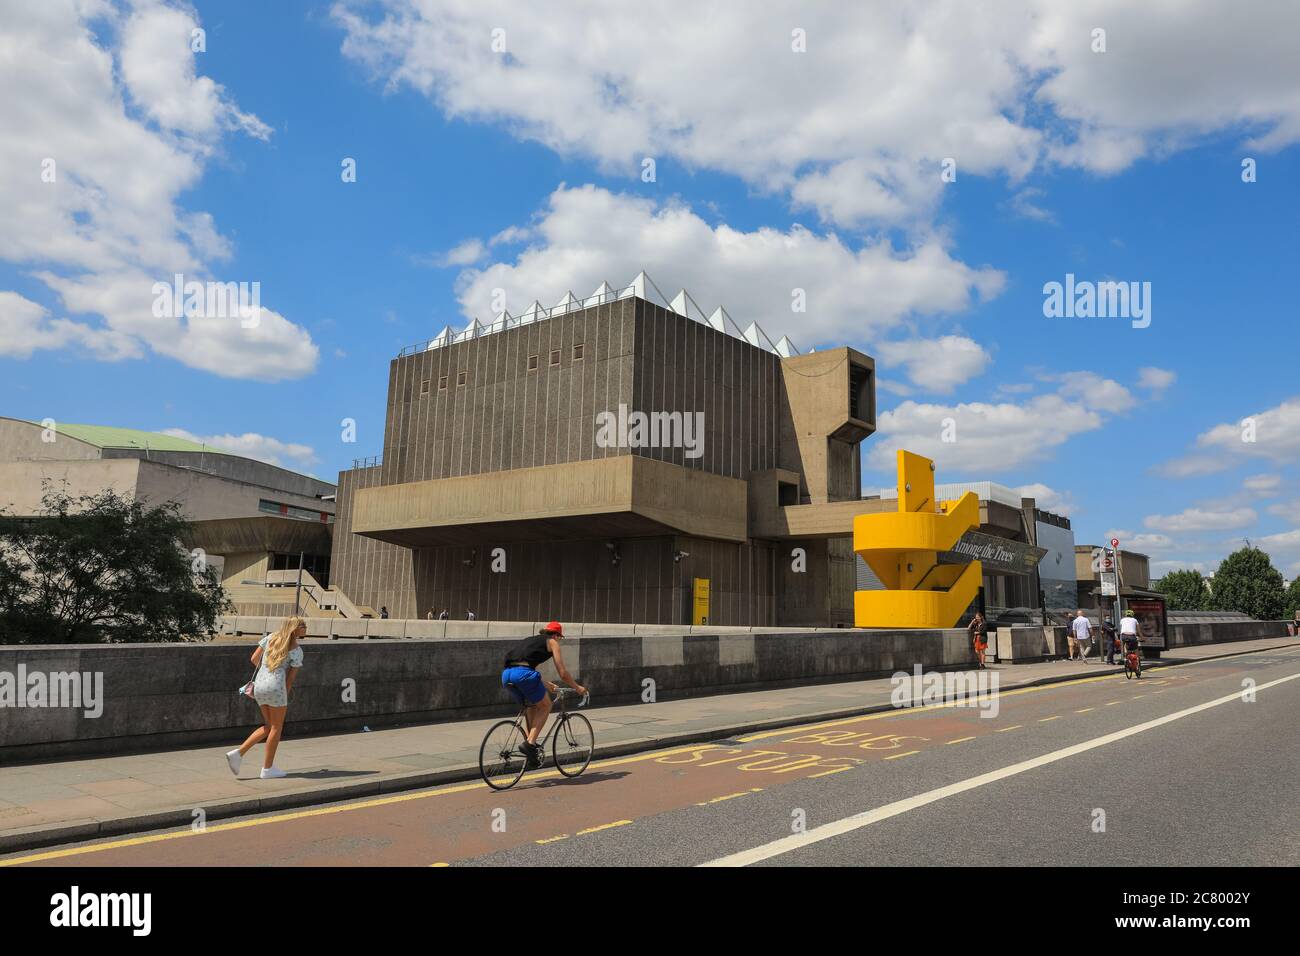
x: 979, y: 636
x: 277, y: 659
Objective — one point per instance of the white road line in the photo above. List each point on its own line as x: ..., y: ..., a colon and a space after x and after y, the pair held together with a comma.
x: 860, y: 820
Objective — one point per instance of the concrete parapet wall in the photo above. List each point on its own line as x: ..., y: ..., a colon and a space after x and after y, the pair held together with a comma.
x: 168, y: 695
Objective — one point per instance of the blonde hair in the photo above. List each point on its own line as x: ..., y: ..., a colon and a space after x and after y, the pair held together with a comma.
x: 277, y: 648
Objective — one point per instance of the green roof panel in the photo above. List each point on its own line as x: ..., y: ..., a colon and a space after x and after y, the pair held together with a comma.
x: 106, y: 436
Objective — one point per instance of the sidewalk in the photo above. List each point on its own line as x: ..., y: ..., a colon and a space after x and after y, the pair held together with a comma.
x: 67, y: 801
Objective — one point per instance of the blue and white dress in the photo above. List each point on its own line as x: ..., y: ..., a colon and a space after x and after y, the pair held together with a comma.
x: 269, y: 686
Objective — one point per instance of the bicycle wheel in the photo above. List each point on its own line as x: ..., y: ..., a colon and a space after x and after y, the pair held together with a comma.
x: 574, y: 742
x: 500, y: 758
x: 1128, y: 671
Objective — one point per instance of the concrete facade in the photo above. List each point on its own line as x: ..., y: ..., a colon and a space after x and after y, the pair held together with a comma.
x: 226, y: 497
x: 493, y: 453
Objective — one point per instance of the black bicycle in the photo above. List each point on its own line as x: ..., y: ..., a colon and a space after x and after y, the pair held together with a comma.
x: 501, y: 759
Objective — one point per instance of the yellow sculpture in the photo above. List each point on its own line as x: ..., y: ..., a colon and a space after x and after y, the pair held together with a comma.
x: 902, y: 549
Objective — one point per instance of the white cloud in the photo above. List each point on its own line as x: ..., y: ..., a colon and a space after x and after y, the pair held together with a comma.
x: 1262, y: 485
x: 252, y: 445
x: 26, y: 326
x: 1096, y: 391
x: 1025, y: 204
x: 1142, y: 542
x: 464, y: 254
x: 1283, y: 549
x: 158, y: 71
x: 587, y: 235
x: 1272, y: 435
x: 129, y: 126
x: 1155, y: 380
x: 857, y: 126
x: 1200, y: 519
x: 938, y: 365
x: 1049, y: 499
x: 989, y: 438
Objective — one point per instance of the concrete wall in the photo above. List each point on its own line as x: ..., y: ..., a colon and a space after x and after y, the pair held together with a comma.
x: 181, y: 694
x: 1183, y: 635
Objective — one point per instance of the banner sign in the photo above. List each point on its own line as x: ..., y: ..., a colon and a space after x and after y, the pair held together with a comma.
x: 997, y: 555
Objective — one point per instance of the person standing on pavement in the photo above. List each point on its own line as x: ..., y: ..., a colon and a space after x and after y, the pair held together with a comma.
x: 1082, y: 634
x: 1108, y: 640
x: 978, y: 632
x: 277, y: 658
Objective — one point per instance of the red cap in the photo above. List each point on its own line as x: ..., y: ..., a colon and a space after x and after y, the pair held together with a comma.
x: 555, y: 628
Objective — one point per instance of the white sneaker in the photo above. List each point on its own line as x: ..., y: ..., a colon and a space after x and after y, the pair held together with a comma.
x: 272, y: 773
x: 233, y: 759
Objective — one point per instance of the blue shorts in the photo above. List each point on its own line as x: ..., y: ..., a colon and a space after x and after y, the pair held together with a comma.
x: 528, y: 682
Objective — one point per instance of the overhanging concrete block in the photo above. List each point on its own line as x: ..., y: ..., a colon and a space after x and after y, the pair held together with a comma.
x: 511, y: 629
x: 426, y: 629
x: 391, y: 627
x: 342, y: 627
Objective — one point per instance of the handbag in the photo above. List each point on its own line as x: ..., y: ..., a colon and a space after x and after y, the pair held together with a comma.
x: 247, y: 689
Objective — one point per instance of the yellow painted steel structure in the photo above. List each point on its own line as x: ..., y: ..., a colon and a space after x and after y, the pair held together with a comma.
x: 902, y: 548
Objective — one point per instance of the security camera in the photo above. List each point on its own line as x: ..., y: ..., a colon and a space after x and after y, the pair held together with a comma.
x: 678, y: 555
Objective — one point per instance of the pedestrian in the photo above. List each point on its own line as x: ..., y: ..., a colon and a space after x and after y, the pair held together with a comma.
x: 1069, y: 637
x: 1082, y: 635
x: 383, y: 613
x: 277, y: 659
x: 443, y: 615
x: 470, y: 615
x: 1108, y: 640
x: 978, y: 632
x: 429, y: 616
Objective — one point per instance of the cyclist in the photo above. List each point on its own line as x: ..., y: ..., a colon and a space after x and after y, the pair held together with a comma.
x: 530, y: 687
x: 1128, y: 631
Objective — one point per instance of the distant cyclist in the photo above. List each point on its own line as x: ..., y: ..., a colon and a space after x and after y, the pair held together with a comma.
x: 521, y: 665
x: 1128, y: 631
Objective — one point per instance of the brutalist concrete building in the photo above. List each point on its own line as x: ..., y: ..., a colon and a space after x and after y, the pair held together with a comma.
x: 591, y: 461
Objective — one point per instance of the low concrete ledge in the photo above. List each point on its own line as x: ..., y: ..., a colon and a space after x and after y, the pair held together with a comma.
x: 159, y: 696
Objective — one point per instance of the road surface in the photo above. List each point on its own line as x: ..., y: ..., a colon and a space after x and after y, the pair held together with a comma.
x: 1173, y: 769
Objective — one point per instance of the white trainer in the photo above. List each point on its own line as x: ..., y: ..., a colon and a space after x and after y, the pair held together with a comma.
x: 272, y: 773
x: 233, y: 759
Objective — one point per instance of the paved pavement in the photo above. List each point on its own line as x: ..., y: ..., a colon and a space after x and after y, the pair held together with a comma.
x: 63, y: 801
x: 1185, y: 771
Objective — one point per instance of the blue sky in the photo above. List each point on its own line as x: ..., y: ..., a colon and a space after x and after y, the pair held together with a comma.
x: 773, y: 170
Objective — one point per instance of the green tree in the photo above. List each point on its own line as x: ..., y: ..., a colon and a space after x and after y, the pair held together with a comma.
x: 1291, y: 600
x: 1186, y: 590
x: 102, y: 567
x: 1246, y: 581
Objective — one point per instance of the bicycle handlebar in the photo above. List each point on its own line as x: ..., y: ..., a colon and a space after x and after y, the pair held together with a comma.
x: 569, y: 691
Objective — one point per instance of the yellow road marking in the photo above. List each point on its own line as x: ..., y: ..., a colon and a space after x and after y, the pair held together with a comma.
x: 1043, y: 720
x: 730, y: 796
x: 554, y: 839
x: 440, y: 864
x: 604, y: 826
x: 1012, y: 727
x: 306, y: 814
x: 1138, y: 696
x: 1111, y: 703
x: 908, y: 754
x: 1085, y: 710
x: 959, y: 740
